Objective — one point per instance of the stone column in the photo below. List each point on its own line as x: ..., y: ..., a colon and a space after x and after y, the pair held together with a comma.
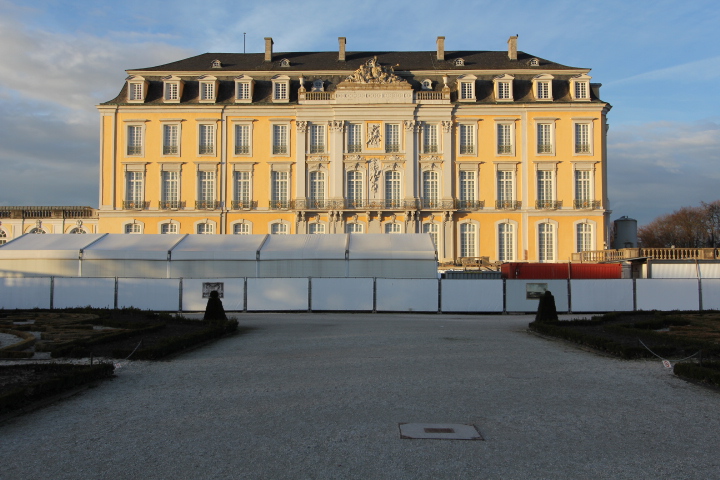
x: 411, y: 160
x: 300, y: 180
x: 336, y: 174
x: 447, y: 127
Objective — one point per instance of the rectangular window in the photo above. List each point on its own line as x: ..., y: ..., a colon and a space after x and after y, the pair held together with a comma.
x: 316, y: 228
x: 543, y: 90
x: 468, y: 236
x: 242, y: 190
x: 171, y: 146
x: 171, y: 91
x: 467, y: 189
x: 583, y: 189
x: 207, y: 91
x: 504, y: 139
x: 317, y: 138
x: 134, y: 190
x: 467, y: 139
x: 503, y: 89
x: 354, y: 228
x: 544, y: 138
x: 506, y: 242
x: 392, y: 189
x: 584, y: 237
x: 279, y: 190
x: 242, y: 139
x: 134, y: 140
x: 392, y: 137
x: 317, y: 189
x: 581, y: 90
x: 206, y: 190
x: 392, y: 228
x: 467, y: 91
x: 168, y: 228
x: 170, y: 190
x: 354, y: 138
x: 505, y: 189
x: 430, y: 189
x: 545, y: 189
x: 546, y: 242
x: 205, y: 228
x: 582, y: 138
x: 243, y: 93
x: 136, y: 91
x: 354, y: 190
x: 280, y: 91
x: 206, y: 142
x: 278, y: 229
x: 430, y: 138
x: 431, y: 229
x: 280, y: 140
x: 241, y: 229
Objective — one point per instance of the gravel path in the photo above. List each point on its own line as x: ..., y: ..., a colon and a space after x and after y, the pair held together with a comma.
x: 321, y: 396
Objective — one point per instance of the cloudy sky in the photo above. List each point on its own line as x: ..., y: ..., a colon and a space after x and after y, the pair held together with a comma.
x: 657, y: 60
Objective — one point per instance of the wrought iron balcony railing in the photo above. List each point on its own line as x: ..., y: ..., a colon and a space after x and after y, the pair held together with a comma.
x: 586, y: 204
x: 133, y: 205
x: 469, y: 204
x: 171, y: 205
x: 507, y: 204
x: 134, y: 150
x: 281, y: 204
x: 504, y: 149
x: 436, y: 204
x: 317, y: 148
x: 242, y: 149
x: 279, y: 149
x: 467, y: 149
x: 318, y: 204
x: 582, y: 148
x: 548, y: 204
x: 207, y: 205
x: 170, y: 149
x: 354, y: 148
x: 244, y: 205
x: 206, y: 149
x: 544, y: 148
x: 392, y: 147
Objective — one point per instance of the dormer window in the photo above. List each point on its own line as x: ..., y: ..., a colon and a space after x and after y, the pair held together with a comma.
x: 534, y: 62
x: 172, y: 89
x: 244, y: 89
x: 318, y: 86
x: 426, y: 84
x: 504, y: 88
x: 280, y: 89
x: 216, y: 64
x: 208, y: 88
x: 542, y: 87
x: 580, y: 87
x: 137, y: 89
x: 284, y: 62
x: 459, y: 62
x: 466, y: 88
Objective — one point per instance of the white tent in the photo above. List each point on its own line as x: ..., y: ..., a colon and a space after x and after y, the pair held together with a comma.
x: 220, y: 256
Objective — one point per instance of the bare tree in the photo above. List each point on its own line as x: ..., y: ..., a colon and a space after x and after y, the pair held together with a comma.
x: 686, y: 227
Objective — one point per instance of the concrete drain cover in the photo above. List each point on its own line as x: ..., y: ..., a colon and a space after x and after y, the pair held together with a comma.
x: 439, y: 431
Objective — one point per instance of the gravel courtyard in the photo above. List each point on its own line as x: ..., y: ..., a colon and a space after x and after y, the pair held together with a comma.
x: 321, y: 396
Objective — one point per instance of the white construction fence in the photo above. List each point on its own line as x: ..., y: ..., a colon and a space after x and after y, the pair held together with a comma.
x: 359, y: 294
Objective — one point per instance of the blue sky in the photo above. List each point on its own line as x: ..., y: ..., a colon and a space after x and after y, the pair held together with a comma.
x: 658, y: 62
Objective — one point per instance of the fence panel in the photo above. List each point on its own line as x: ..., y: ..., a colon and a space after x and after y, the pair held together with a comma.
x: 277, y: 294
x: 667, y: 294
x: 711, y: 294
x: 343, y: 294
x: 472, y: 295
x: 149, y: 293
x: 406, y: 295
x: 72, y: 292
x: 521, y: 295
x: 233, y: 293
x: 673, y: 270
x: 601, y: 295
x: 25, y: 292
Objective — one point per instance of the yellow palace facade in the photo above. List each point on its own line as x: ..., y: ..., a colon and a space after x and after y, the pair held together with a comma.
x: 495, y: 154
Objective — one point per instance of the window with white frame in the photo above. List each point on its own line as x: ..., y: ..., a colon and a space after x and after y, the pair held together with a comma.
x: 137, y: 87
x: 467, y: 139
x: 468, y: 189
x: 170, y: 190
x: 505, y: 134
x: 505, y: 189
x: 583, y: 237
x: 3, y: 237
x: 206, y: 139
x: 506, y: 242
x: 243, y: 89
x: 393, y: 227
x: 545, y: 189
x: 135, y: 140
x: 134, y: 190
x: 280, y: 139
x: 466, y: 88
x: 430, y: 138
x: 354, y: 196
x: 354, y: 228
x: 280, y: 88
x: 317, y: 189
x: 504, y: 87
x: 581, y: 90
x: 546, y: 242
x: 433, y: 230
x: 206, y: 190
x: 171, y: 139
x: 392, y: 137
x: 580, y: 87
x: 242, y: 194
x: 278, y: 229
x: 207, y: 91
x: 582, y: 138
x: 317, y: 138
x: 169, y: 228
x: 205, y: 228
x: 241, y: 229
x: 279, y: 189
x: 242, y: 139
x: 542, y: 87
x: 172, y: 91
x: 316, y: 228
x: 392, y: 189
x: 133, y: 228
x: 468, y: 240
x: 136, y: 91
x: 354, y: 138
x: 430, y: 189
x: 545, y: 144
x: 426, y: 84
x: 583, y: 189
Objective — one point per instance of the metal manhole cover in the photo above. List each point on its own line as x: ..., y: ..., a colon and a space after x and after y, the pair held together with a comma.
x: 439, y: 431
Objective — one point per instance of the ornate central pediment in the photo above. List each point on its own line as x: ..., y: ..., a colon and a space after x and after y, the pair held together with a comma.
x: 374, y: 83
x: 374, y: 73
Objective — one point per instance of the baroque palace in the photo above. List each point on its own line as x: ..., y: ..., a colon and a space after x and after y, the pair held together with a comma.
x: 495, y: 154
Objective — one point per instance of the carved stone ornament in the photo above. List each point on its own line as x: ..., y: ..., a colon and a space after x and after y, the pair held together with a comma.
x: 302, y: 126
x: 353, y: 158
x: 38, y: 223
x: 430, y: 159
x: 355, y: 218
x: 447, y: 126
x: 410, y: 125
x: 373, y: 72
x: 374, y: 174
x: 373, y: 135
x: 79, y: 223
x: 317, y: 159
x: 336, y: 125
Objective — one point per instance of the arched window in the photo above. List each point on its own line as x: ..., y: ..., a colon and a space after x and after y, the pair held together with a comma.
x: 278, y: 229
x: 315, y: 228
x: 506, y: 242
x: 241, y: 229
x: 37, y: 230
x: 430, y: 187
x: 546, y: 242
x: 3, y: 237
x: 317, y: 189
x: 205, y: 228
x: 392, y: 189
x: 432, y: 229
x: 77, y: 230
x: 584, y: 234
x: 354, y: 228
x: 468, y: 240
x: 392, y: 228
x: 169, y: 228
x: 132, y: 228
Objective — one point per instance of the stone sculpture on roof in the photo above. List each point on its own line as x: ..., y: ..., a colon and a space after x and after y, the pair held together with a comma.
x: 373, y: 72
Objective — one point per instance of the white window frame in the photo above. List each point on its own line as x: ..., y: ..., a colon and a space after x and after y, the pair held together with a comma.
x: 506, y: 240
x: 546, y: 255
x: 467, y: 139
x: 244, y: 89
x: 205, y: 228
x: 466, y: 88
x: 316, y: 188
x: 580, y: 87
x: 392, y: 145
x: 137, y: 89
x: 207, y: 187
x: 172, y: 89
x: 242, y: 227
x: 166, y: 147
x: 430, y: 188
x: 354, y: 138
x: 468, y: 187
x: 431, y: 138
x: 135, y: 140
x: 133, y: 228
x: 545, y: 186
x: 355, y: 194
x: 433, y: 229
x: 242, y: 190
x: 578, y: 148
x: 208, y: 87
x: 468, y: 247
x: 135, y: 186
x: 392, y: 189
x: 583, y: 201
x: 207, y: 131
x: 317, y: 138
x: 279, y: 227
x: 239, y: 149
x: 354, y: 229
x: 505, y: 129
x: 280, y: 89
x: 168, y: 198
x: 316, y: 228
x: 280, y: 131
x: 542, y: 87
x: 169, y: 228
x: 280, y: 189
x: 590, y: 241
x: 503, y: 88
x: 392, y: 227
x: 3, y: 236
x: 506, y: 186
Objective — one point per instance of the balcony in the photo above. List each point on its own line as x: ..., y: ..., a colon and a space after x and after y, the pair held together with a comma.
x: 170, y: 150
x: 507, y: 204
x: 46, y: 212
x: 318, y: 204
x: 586, y: 204
x: 133, y: 205
x: 244, y: 205
x: 435, y: 204
x: 548, y: 204
x: 171, y: 205
x: 469, y: 204
x: 281, y: 204
x: 428, y: 96
x: 316, y: 96
x: 601, y: 256
x: 207, y: 205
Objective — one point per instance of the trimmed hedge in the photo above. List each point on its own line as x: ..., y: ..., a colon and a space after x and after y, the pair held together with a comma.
x: 706, y: 373
x: 66, y: 377
x: 79, y: 347
x: 558, y: 329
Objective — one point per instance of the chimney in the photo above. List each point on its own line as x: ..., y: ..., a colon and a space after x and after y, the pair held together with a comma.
x: 341, y: 54
x: 268, y: 49
x: 512, y: 47
x: 441, y: 48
